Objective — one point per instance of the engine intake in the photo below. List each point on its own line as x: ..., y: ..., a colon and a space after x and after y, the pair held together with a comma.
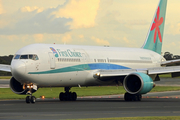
x: 138, y: 83
x: 17, y: 87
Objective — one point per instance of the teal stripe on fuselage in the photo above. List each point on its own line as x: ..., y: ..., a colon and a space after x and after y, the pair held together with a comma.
x: 83, y: 67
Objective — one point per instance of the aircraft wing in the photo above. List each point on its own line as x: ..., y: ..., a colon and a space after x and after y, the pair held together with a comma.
x: 6, y: 68
x: 105, y: 74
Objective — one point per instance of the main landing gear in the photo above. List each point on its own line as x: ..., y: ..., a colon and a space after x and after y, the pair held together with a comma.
x: 67, y: 96
x: 132, y: 97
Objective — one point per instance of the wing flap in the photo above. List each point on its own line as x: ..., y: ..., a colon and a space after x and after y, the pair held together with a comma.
x: 6, y: 68
x: 163, y: 70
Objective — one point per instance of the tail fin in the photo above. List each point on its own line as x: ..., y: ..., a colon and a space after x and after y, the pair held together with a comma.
x: 155, y: 35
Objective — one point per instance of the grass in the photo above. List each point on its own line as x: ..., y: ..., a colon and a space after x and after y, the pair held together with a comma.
x: 6, y: 93
x: 165, y: 88
x: 136, y: 118
x: 165, y: 76
x: 5, y: 77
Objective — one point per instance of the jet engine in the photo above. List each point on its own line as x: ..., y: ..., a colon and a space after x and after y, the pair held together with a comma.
x: 138, y: 83
x: 19, y: 88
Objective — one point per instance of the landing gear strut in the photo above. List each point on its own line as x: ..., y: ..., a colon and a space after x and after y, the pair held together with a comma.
x: 132, y: 97
x: 67, y: 96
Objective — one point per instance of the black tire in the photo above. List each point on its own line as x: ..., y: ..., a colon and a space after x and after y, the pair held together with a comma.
x: 139, y: 97
x: 68, y: 96
x: 127, y: 97
x: 33, y: 99
x: 74, y: 96
x: 61, y: 96
x: 134, y: 97
x: 28, y: 100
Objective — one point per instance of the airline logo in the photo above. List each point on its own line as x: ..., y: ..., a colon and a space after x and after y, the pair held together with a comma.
x: 66, y: 53
x: 69, y: 53
x: 54, y: 52
x: 156, y: 24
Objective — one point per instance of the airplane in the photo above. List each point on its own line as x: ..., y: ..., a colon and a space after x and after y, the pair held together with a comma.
x: 53, y: 65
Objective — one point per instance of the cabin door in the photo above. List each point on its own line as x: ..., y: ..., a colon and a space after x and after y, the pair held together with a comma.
x: 52, y: 60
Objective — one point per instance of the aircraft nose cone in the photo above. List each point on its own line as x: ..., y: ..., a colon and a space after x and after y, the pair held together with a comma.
x: 18, y: 69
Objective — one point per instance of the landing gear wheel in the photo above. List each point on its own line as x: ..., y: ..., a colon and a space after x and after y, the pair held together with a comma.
x: 127, y: 97
x: 74, y: 96
x: 28, y: 99
x: 131, y: 97
x: 134, y: 98
x: 67, y: 96
x: 139, y: 97
x: 61, y: 96
x: 33, y: 99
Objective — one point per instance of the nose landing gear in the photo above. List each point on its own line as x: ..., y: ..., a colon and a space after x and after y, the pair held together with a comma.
x: 30, y: 99
x: 67, y: 96
x: 31, y: 88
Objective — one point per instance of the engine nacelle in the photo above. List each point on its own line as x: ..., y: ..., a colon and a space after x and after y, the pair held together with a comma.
x: 138, y: 83
x: 17, y: 87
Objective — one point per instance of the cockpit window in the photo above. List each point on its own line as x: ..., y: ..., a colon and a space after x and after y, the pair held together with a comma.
x: 33, y: 57
x: 17, y: 57
x: 30, y: 56
x: 36, y: 57
x: 24, y: 57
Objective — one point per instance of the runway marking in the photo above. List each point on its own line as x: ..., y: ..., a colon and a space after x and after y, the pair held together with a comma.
x: 176, y: 111
x: 4, y: 86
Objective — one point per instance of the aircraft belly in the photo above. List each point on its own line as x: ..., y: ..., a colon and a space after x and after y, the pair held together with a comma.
x: 69, y: 79
x: 61, y: 79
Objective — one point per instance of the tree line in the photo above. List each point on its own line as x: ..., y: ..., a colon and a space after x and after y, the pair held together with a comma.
x: 170, y: 56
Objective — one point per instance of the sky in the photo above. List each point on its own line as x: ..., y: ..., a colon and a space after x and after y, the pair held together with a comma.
x: 117, y: 23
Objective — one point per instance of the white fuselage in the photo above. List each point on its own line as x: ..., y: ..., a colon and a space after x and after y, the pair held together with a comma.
x: 71, y: 65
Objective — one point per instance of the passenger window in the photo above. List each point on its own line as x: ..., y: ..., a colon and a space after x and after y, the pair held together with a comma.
x: 24, y: 57
x: 17, y: 57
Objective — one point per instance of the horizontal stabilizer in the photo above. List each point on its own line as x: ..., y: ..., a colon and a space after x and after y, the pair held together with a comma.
x: 170, y: 62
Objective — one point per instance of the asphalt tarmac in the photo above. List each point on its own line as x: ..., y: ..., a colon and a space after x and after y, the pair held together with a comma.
x: 158, y: 104
x: 4, y: 83
x: 152, y: 104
